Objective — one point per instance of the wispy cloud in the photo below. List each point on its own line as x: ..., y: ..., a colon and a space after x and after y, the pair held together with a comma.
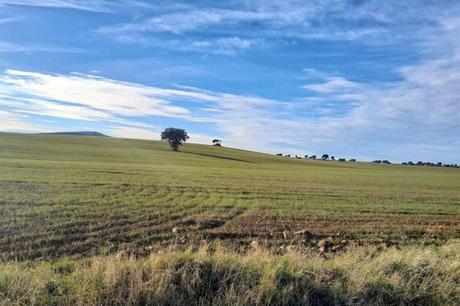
x: 118, y: 98
x: 4, y: 20
x: 31, y: 48
x: 13, y: 122
x: 186, y: 21
x: 87, y: 5
x: 334, y: 84
x: 226, y: 46
x: 323, y: 20
x: 99, y: 6
x: 222, y: 46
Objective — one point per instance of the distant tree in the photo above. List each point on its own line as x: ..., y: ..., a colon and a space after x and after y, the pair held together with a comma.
x: 353, y: 160
x: 386, y: 162
x: 175, y: 137
x: 217, y: 142
x: 312, y: 157
x: 410, y: 163
x: 341, y: 159
x: 288, y: 155
x: 404, y: 163
x: 377, y: 161
x: 438, y: 164
x: 279, y: 154
x: 306, y: 156
x: 325, y: 157
x: 332, y: 157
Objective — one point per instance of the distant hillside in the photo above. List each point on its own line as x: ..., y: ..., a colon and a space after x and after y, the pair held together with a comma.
x: 80, y: 133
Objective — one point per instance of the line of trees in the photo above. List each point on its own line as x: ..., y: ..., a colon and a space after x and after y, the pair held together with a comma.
x: 314, y: 157
x: 430, y: 164
x: 378, y: 161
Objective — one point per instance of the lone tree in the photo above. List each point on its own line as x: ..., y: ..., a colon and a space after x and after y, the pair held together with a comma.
x: 217, y: 142
x: 175, y: 137
x: 325, y: 157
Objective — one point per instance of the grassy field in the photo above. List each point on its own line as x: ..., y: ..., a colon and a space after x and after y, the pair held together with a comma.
x: 80, y: 218
x: 63, y: 195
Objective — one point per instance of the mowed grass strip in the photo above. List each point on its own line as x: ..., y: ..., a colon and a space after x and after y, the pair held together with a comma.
x: 70, y: 195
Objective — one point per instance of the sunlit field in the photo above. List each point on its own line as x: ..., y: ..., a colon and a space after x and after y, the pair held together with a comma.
x: 63, y: 195
x: 66, y: 199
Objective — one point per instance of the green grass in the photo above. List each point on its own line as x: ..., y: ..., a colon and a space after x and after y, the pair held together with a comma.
x: 64, y: 195
x: 104, y: 221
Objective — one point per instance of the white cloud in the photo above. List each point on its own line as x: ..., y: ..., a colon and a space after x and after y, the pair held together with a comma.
x: 12, y: 122
x: 333, y: 84
x: 185, y: 21
x: 134, y: 133
x: 99, y: 6
x: 117, y: 98
x: 223, y: 46
x: 422, y: 108
x: 53, y: 109
x: 30, y: 48
x: 323, y: 20
x: 226, y: 46
x: 87, y: 5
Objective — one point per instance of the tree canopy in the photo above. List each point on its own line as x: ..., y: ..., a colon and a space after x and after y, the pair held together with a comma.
x: 217, y: 142
x: 175, y: 137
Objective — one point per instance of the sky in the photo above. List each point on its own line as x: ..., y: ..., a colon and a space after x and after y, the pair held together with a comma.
x: 354, y: 79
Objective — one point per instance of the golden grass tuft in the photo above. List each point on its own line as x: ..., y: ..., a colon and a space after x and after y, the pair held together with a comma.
x: 213, y: 276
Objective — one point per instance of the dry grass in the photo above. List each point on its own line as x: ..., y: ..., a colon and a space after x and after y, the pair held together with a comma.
x: 213, y: 276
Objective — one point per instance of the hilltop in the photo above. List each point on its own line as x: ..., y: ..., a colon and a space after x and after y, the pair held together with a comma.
x: 78, y: 133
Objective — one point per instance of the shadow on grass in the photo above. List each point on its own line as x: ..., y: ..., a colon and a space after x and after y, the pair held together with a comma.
x: 221, y: 157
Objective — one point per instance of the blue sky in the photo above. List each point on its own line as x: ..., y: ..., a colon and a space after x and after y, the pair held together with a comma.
x: 355, y: 79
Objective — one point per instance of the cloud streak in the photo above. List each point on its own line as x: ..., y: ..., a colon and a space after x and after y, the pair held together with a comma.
x: 86, y: 5
x: 322, y: 20
x: 7, y: 47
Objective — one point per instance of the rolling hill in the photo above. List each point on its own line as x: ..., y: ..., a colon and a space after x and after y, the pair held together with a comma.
x: 66, y: 195
x: 107, y: 221
x: 80, y: 133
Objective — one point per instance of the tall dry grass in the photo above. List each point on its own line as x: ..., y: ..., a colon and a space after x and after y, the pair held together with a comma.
x: 212, y: 276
